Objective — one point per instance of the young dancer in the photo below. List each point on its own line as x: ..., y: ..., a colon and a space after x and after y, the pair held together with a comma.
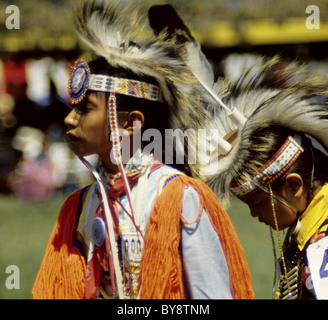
x: 144, y: 229
x: 278, y: 167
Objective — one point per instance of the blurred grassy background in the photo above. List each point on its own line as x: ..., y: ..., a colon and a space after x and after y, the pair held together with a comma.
x: 255, y: 238
x: 25, y: 228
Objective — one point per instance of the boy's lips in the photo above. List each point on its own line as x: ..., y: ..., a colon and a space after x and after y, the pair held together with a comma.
x: 71, y: 137
x: 263, y: 221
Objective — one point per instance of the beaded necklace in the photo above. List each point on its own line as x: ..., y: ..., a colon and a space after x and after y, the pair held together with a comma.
x: 288, y: 282
x: 132, y: 168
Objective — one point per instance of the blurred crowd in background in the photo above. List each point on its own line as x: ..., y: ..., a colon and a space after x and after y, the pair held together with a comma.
x: 36, y: 162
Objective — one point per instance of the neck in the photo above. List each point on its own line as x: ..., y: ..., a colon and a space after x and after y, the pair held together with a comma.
x: 110, y: 167
x: 316, y: 190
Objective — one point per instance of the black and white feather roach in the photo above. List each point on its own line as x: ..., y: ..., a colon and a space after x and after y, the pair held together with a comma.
x: 300, y: 105
x: 123, y: 36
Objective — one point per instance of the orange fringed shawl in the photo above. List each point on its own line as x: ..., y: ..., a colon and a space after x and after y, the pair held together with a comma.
x: 62, y: 272
x: 161, y: 267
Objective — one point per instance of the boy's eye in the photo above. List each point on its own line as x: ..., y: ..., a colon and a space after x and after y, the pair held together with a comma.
x: 257, y: 204
x: 83, y: 108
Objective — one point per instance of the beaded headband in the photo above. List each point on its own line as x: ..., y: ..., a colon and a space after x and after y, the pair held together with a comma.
x: 281, y: 161
x: 82, y: 80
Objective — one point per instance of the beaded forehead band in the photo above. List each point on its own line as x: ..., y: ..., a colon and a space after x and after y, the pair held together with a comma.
x: 82, y: 80
x: 282, y: 160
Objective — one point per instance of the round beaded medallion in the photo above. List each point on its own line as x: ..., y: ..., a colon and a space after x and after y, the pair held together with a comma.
x: 79, y: 81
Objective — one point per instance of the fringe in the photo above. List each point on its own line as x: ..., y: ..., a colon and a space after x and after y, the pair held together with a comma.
x: 62, y: 272
x: 161, y: 269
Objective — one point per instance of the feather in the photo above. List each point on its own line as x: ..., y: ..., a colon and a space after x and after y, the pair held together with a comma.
x: 104, y: 29
x: 116, y: 31
x: 165, y: 18
x: 299, y: 105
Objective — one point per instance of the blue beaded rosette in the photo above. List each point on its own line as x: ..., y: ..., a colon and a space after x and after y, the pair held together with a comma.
x: 79, y: 81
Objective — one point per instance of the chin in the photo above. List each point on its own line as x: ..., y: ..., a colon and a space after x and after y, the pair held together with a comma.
x: 84, y: 154
x: 273, y: 227
x: 81, y: 153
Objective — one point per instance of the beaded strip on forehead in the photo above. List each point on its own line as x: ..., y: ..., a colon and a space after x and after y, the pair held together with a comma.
x: 281, y: 161
x: 82, y: 80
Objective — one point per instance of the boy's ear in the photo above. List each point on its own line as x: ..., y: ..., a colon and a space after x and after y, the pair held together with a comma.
x: 134, y: 121
x: 294, y: 185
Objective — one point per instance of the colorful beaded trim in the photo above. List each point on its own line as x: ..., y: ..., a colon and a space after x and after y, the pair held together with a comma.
x: 282, y: 160
x: 112, y: 178
x: 79, y: 81
x: 82, y: 80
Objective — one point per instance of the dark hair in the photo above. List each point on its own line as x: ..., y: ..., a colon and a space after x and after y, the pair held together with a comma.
x: 311, y: 159
x: 155, y: 112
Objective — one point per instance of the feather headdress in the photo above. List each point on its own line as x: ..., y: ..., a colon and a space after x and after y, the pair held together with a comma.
x: 165, y: 20
x: 121, y: 35
x: 301, y: 106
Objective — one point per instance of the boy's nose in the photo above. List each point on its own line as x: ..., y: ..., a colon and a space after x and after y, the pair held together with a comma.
x: 72, y: 119
x: 254, y: 213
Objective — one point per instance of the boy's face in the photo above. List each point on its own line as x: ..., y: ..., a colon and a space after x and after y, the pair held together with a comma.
x: 293, y: 191
x: 87, y: 126
x: 260, y: 207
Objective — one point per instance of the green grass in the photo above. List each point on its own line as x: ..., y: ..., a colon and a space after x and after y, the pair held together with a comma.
x: 255, y: 239
x: 25, y: 228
